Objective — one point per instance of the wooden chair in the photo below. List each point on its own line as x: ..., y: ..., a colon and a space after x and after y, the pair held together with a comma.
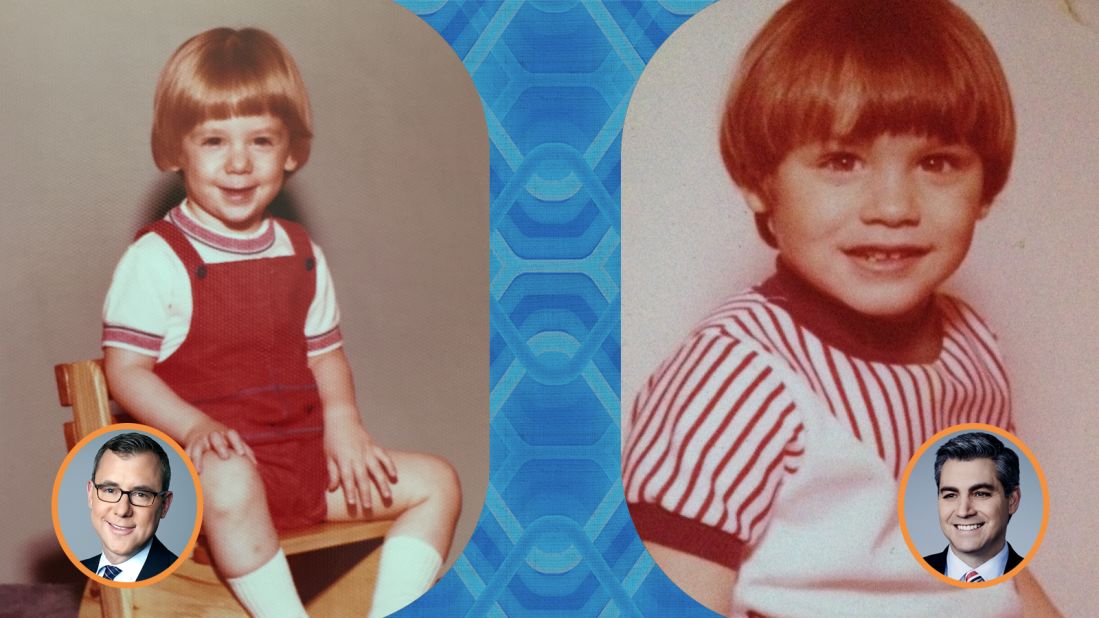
x: 334, y: 564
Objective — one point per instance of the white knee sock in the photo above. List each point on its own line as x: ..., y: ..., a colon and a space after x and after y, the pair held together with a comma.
x: 408, y: 568
x: 269, y: 590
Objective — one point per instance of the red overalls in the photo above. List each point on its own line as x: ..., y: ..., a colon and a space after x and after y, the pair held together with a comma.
x: 244, y: 364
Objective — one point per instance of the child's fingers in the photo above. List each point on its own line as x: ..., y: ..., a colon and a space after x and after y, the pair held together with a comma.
x: 347, y: 482
x: 333, y: 475
x: 219, y: 444
x: 240, y: 446
x: 362, y: 485
x: 353, y: 484
x: 194, y: 451
x: 378, y: 474
x: 235, y: 443
x: 387, y: 462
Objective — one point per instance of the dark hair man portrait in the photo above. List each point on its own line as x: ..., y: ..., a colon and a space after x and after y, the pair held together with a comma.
x: 128, y: 496
x: 977, y: 478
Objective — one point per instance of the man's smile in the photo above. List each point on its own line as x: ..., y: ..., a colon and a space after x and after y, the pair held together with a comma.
x: 968, y: 527
x: 120, y: 529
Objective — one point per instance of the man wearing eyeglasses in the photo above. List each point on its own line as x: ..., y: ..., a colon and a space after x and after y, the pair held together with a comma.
x: 128, y: 496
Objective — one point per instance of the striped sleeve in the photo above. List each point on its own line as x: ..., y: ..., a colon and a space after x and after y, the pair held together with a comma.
x: 322, y: 322
x: 145, y: 291
x: 714, y: 433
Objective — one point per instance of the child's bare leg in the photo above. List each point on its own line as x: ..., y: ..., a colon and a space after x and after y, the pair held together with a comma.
x: 426, y: 502
x: 242, y: 537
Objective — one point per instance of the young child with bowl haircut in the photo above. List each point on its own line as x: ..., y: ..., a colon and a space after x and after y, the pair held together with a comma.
x: 221, y: 328
x: 762, y: 459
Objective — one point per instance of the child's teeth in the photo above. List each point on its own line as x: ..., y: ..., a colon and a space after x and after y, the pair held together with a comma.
x: 879, y: 256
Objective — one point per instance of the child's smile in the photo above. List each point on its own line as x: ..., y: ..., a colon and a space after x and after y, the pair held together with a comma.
x: 877, y: 225
x: 233, y: 168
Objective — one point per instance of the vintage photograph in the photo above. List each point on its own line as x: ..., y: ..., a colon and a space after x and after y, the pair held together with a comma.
x: 848, y: 225
x: 271, y: 240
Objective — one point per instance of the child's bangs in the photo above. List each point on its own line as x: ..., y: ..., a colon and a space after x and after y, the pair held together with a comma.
x: 863, y: 100
x: 237, y: 94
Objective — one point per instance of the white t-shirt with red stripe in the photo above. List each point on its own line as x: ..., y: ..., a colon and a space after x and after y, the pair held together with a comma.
x: 776, y: 450
x: 148, y: 307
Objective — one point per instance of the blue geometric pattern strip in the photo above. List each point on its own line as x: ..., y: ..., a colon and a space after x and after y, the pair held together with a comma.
x: 555, y: 537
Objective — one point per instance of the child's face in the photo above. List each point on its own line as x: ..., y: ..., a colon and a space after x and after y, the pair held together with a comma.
x: 233, y: 168
x: 877, y: 225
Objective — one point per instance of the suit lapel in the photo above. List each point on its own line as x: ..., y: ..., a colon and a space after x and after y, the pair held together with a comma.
x: 1013, y: 559
x: 937, y: 561
x: 92, y: 563
x: 159, y: 558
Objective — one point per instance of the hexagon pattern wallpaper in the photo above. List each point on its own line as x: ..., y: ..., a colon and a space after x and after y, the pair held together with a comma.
x: 555, y: 536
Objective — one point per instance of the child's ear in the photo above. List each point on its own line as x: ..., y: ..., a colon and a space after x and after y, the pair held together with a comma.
x: 983, y: 212
x: 291, y: 163
x: 757, y: 202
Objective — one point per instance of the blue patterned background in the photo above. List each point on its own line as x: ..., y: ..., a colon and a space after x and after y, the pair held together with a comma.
x: 555, y: 537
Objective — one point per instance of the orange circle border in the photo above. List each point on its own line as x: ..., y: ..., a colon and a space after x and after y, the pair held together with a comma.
x: 1041, y: 481
x: 184, y: 555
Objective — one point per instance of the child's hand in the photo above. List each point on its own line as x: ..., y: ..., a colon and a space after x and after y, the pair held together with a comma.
x: 355, y: 461
x: 210, y: 435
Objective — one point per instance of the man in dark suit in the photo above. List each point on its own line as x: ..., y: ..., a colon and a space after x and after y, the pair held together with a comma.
x: 128, y: 496
x: 978, y: 486
x: 938, y: 561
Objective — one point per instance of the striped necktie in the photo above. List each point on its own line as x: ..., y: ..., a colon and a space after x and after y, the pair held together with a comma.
x: 972, y: 577
x: 110, y: 571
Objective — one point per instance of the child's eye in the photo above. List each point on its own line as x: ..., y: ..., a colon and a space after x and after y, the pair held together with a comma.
x: 839, y: 162
x: 264, y: 141
x: 939, y: 163
x: 210, y: 141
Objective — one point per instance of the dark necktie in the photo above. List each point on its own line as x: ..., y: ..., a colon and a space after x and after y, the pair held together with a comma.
x: 972, y: 577
x: 110, y: 571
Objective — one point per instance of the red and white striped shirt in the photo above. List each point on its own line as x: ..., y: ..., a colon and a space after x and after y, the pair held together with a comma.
x: 716, y: 429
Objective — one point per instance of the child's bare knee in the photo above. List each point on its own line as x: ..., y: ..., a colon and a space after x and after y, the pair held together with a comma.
x: 441, y: 480
x: 229, y: 486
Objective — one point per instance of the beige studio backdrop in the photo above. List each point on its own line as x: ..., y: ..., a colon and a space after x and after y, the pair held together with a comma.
x: 396, y: 193
x: 688, y: 240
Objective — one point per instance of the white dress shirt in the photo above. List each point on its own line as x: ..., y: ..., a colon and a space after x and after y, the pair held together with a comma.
x: 993, y: 568
x: 130, y: 568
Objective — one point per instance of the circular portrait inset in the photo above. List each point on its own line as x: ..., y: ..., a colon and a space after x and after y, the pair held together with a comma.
x: 973, y: 505
x: 126, y: 505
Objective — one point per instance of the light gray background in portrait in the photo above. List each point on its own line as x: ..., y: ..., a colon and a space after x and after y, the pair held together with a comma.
x: 688, y: 240
x: 72, y: 501
x: 921, y: 511
x: 396, y: 193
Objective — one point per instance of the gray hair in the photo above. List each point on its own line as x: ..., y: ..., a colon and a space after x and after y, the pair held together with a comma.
x: 979, y: 445
x: 133, y: 443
